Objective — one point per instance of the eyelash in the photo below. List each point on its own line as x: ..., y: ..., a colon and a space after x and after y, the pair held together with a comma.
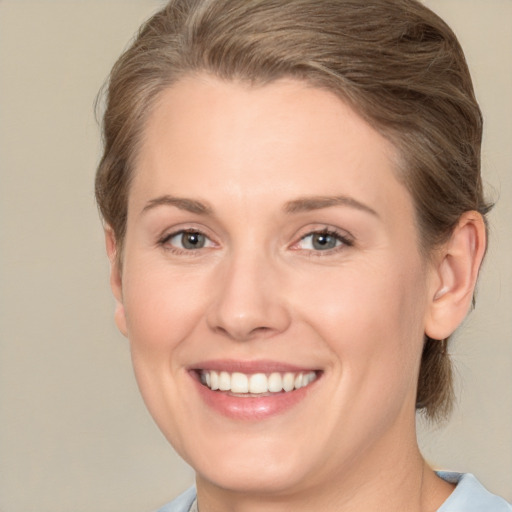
x: 164, y: 242
x: 343, y: 239
x: 344, y: 242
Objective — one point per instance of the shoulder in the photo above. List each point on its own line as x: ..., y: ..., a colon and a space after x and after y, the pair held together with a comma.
x: 470, y: 495
x: 182, y: 503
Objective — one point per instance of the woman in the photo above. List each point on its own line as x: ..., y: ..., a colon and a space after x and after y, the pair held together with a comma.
x: 295, y: 221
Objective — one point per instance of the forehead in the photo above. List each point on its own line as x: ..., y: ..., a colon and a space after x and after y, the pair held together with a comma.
x: 205, y: 134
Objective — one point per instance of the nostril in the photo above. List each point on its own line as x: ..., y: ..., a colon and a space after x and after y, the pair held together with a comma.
x: 220, y: 330
x: 261, y: 330
x: 242, y: 334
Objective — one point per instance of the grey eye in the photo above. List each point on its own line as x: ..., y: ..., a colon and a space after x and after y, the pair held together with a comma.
x: 189, y: 240
x: 323, y: 241
x: 320, y: 241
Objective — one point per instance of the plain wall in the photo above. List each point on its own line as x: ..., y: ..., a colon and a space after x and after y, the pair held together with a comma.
x: 74, y: 433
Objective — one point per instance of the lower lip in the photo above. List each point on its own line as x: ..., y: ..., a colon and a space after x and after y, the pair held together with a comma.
x: 252, y: 408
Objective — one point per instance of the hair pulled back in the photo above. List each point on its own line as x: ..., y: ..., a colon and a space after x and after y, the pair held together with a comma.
x: 394, y: 61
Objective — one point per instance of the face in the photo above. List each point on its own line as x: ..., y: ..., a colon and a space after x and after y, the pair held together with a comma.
x: 272, y: 288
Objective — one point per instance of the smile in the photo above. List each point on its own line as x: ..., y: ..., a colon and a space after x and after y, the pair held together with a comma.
x: 256, y: 383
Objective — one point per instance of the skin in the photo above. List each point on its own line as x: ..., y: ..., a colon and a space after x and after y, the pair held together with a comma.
x: 260, y: 290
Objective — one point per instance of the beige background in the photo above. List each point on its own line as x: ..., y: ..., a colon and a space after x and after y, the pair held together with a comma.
x: 74, y: 434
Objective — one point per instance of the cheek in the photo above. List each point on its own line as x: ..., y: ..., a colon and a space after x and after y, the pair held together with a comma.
x: 370, y: 316
x: 162, y: 309
x: 162, y: 306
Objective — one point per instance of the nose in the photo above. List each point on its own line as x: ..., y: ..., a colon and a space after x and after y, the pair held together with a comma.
x: 250, y: 301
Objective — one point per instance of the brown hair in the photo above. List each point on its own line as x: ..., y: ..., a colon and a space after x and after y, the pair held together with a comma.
x: 394, y: 61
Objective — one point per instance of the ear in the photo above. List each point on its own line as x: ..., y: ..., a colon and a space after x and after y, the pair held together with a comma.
x: 116, y: 279
x: 454, y: 276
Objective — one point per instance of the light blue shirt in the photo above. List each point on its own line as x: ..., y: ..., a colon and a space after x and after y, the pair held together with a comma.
x: 469, y: 496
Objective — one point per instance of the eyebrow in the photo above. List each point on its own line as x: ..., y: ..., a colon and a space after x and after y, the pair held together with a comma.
x: 306, y: 204
x: 303, y: 204
x: 183, y: 203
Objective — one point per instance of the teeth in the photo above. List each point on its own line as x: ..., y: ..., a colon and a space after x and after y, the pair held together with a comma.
x: 214, y: 380
x: 308, y: 378
x: 224, y: 381
x: 288, y: 381
x: 239, y: 383
x: 257, y: 383
x: 275, y: 382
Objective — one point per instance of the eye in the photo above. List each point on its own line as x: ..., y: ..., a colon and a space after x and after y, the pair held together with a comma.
x: 187, y: 240
x: 323, y: 241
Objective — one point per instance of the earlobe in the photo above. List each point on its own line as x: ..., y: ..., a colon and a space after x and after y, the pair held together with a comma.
x: 116, y: 282
x: 455, y: 276
x: 120, y: 319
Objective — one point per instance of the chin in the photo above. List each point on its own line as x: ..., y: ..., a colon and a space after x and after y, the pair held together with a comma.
x: 258, y: 463
x: 261, y: 477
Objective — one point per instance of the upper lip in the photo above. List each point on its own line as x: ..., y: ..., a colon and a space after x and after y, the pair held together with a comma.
x: 250, y: 367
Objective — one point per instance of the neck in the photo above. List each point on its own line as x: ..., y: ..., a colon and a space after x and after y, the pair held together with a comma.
x: 388, y: 477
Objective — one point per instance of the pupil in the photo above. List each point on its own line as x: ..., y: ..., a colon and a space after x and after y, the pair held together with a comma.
x: 193, y: 240
x: 323, y: 241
